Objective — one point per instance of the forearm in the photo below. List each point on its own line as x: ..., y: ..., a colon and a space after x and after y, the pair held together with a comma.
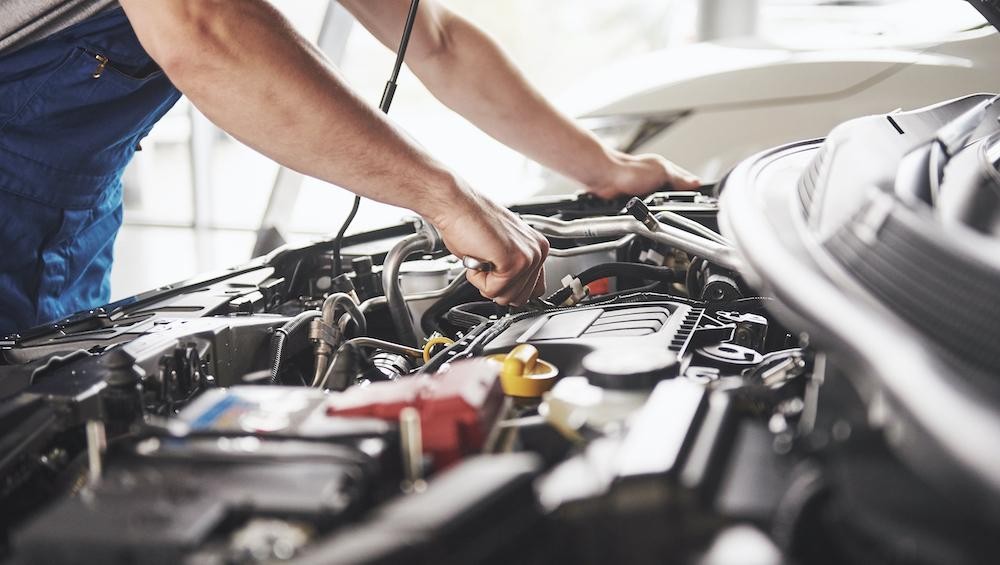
x: 476, y: 78
x: 245, y: 68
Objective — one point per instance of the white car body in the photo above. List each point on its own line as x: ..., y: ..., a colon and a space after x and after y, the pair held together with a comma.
x: 739, y: 97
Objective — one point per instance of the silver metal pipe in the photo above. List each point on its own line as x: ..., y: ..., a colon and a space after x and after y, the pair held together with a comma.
x: 691, y: 226
x: 379, y: 301
x: 617, y: 226
x: 344, y: 301
x: 420, y: 242
x: 322, y: 364
x: 386, y: 345
x: 455, y: 283
x: 374, y: 302
x: 326, y: 339
x: 578, y: 250
x: 320, y: 380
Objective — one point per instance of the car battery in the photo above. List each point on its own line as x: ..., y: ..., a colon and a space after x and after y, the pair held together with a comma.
x: 273, y: 411
x: 291, y: 413
x: 458, y: 406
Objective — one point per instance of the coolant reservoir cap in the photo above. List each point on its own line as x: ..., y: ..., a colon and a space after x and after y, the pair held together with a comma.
x: 629, y: 369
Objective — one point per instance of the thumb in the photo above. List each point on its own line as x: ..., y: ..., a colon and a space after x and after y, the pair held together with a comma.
x: 477, y: 278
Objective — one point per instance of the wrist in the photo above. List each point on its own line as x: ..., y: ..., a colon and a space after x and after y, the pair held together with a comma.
x: 443, y: 197
x: 611, y: 171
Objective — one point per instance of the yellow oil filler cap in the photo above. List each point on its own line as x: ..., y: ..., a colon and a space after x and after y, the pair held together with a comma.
x: 523, y: 374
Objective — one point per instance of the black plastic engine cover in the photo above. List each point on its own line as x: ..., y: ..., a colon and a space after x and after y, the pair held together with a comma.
x: 564, y: 337
x: 482, y: 511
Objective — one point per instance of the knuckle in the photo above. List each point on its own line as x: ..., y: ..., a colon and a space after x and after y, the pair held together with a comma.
x: 537, y: 252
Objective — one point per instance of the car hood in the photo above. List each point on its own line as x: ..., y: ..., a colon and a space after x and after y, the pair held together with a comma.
x: 700, y: 75
x: 990, y: 9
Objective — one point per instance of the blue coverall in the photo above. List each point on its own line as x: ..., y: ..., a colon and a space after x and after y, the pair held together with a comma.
x: 73, y: 108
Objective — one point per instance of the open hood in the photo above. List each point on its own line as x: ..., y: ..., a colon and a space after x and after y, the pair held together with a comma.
x: 990, y: 9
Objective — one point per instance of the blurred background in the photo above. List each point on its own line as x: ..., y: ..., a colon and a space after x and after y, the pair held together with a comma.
x: 196, y: 199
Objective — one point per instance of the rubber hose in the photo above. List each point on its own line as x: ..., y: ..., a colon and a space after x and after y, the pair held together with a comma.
x: 281, y: 336
x: 416, y: 243
x: 465, y: 315
x: 461, y: 293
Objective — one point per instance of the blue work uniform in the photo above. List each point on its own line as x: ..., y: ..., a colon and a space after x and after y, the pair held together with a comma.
x: 73, y: 108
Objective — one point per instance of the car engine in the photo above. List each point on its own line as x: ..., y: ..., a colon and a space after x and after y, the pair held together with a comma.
x: 813, y: 383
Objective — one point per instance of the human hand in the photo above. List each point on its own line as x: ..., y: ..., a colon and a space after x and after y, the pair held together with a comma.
x: 639, y: 175
x: 475, y: 226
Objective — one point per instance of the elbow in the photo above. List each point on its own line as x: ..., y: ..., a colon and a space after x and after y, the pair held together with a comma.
x: 457, y: 47
x: 184, y: 34
x: 439, y: 49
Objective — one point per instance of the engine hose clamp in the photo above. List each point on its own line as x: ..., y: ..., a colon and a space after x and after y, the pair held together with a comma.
x: 578, y: 289
x: 322, y: 333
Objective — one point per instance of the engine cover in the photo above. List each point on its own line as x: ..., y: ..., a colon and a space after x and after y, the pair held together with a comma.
x: 565, y: 336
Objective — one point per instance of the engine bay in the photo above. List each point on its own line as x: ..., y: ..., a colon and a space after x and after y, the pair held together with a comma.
x: 665, y: 402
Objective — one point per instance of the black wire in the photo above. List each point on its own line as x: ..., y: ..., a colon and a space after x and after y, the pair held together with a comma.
x: 339, y: 240
x: 464, y: 292
x: 470, y: 315
x: 295, y: 276
x: 390, y: 89
x: 281, y: 336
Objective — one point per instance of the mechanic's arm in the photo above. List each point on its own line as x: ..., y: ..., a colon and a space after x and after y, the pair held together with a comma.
x: 466, y: 69
x: 243, y: 65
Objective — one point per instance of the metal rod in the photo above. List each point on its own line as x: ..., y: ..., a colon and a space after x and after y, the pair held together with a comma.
x: 342, y: 300
x: 616, y: 226
x: 692, y: 226
x: 320, y: 380
x: 387, y: 94
x: 386, y: 345
x: 95, y: 449
x: 324, y: 350
x: 390, y: 86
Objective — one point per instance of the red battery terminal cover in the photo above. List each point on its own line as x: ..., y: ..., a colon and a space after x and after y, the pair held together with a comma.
x: 458, y: 406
